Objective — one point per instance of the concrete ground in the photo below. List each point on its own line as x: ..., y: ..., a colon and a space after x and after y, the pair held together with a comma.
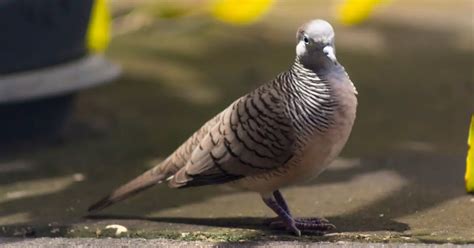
x: 399, y: 179
x: 124, y: 242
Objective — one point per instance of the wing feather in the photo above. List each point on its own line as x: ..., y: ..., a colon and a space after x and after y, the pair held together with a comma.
x: 251, y: 136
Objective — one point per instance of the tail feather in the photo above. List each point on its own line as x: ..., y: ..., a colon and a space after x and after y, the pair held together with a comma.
x: 140, y: 183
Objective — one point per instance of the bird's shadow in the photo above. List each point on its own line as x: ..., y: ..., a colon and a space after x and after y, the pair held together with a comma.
x: 230, y: 222
x: 261, y: 223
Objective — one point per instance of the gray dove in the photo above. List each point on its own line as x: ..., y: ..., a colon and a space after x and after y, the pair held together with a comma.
x: 284, y: 132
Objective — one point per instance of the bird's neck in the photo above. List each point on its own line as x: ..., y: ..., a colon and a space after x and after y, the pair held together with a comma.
x: 310, y: 99
x: 320, y: 65
x: 309, y: 81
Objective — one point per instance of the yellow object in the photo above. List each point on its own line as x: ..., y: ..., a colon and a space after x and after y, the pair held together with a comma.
x: 352, y: 12
x: 240, y: 12
x: 469, y: 177
x: 98, y: 32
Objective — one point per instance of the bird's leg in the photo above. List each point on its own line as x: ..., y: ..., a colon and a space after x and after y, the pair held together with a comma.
x: 307, y: 224
x: 288, y: 221
x: 281, y: 201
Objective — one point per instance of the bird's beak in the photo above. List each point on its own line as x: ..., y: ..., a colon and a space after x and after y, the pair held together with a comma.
x: 329, y: 51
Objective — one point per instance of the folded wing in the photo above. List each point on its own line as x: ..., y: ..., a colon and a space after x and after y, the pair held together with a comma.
x: 253, y: 135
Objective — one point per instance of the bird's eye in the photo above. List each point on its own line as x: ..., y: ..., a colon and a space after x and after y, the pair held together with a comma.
x: 306, y: 40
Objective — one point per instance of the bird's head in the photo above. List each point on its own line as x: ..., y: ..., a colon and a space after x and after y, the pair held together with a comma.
x: 315, y: 44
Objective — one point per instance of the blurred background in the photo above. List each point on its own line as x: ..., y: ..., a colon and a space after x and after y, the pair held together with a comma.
x: 183, y: 61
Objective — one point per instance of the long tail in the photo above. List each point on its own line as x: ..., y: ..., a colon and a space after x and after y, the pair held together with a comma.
x: 140, y: 183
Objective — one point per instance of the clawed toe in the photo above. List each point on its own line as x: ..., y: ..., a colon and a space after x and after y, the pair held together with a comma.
x: 313, y: 219
x: 286, y: 221
x: 315, y: 225
x: 304, y: 224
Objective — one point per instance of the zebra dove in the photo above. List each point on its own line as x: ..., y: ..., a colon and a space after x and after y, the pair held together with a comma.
x: 285, y: 131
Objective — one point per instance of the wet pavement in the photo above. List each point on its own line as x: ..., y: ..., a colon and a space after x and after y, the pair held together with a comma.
x: 399, y: 179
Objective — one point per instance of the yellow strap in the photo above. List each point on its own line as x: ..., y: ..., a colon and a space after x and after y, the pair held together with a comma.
x: 98, y: 33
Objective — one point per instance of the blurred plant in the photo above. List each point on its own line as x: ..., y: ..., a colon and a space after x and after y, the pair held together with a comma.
x: 174, y: 9
x: 239, y: 12
x: 351, y: 12
x: 134, y: 15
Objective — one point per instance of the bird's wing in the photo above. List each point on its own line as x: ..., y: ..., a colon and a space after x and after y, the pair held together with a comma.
x: 159, y: 173
x: 253, y: 135
x: 182, y: 154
